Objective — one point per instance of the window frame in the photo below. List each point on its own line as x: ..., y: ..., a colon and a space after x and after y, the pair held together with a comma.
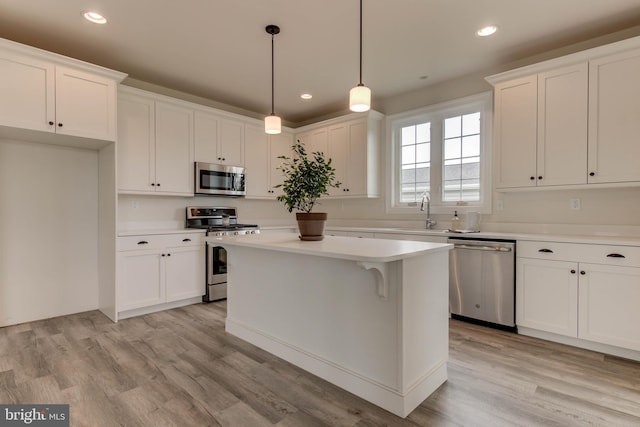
x: 436, y: 114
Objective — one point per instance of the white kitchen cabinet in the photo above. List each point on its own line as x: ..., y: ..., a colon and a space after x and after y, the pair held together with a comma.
x: 314, y: 141
x: 588, y: 292
x: 562, y: 126
x: 609, y: 297
x: 541, y: 128
x: 155, y: 145
x: 218, y: 139
x: 614, y: 108
x: 45, y: 92
x: 353, y: 144
x: 262, y: 161
x: 547, y: 295
x: 157, y: 269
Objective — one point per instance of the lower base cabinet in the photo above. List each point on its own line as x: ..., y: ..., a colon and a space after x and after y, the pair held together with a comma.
x: 588, y: 292
x: 157, y: 269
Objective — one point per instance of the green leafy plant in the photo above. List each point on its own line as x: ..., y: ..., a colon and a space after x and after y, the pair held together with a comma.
x: 307, y: 178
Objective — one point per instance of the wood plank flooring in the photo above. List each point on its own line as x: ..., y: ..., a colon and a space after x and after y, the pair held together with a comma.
x: 180, y: 368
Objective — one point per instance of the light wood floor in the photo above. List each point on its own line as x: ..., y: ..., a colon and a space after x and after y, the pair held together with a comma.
x: 179, y: 368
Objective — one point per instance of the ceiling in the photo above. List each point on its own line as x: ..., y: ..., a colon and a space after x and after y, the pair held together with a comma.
x: 219, y: 49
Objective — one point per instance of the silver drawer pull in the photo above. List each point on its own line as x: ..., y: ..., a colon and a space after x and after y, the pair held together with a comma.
x: 546, y: 251
x: 614, y: 255
x: 186, y: 240
x: 143, y: 242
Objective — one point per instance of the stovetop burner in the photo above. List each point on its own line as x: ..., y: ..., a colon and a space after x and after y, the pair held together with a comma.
x: 220, y: 221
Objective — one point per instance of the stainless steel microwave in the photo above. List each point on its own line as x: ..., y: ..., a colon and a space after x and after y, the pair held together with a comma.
x: 219, y: 180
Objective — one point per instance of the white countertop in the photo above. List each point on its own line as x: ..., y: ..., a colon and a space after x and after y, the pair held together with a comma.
x: 364, y: 250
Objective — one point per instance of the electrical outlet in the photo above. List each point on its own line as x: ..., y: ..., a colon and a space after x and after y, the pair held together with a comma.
x: 134, y: 204
x: 575, y: 204
x: 499, y: 204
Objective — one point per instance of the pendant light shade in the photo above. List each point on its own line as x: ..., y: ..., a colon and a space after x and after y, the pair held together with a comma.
x: 272, y: 123
x: 360, y: 96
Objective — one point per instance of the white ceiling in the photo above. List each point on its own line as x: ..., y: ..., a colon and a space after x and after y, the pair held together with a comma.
x: 218, y: 49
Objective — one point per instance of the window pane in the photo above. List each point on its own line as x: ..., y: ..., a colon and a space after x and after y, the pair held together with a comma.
x: 471, y: 146
x: 452, y: 149
x: 408, y: 135
x: 423, y: 132
x: 423, y: 153
x: 408, y: 155
x: 452, y: 127
x: 471, y: 124
x: 415, y: 161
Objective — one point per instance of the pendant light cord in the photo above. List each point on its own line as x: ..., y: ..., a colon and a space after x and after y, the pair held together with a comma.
x: 272, y: 78
x: 360, y: 84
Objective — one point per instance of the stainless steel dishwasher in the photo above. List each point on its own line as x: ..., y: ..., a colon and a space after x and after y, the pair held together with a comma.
x: 482, y: 281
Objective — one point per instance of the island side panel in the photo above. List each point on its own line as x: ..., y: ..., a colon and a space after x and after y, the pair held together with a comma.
x: 424, y: 326
x: 325, y: 308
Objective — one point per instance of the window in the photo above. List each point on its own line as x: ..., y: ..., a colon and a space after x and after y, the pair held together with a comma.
x: 442, y: 150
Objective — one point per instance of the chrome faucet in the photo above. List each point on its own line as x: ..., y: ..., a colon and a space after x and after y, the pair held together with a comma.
x: 426, y: 199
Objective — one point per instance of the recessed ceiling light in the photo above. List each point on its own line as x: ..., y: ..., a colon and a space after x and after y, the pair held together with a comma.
x: 306, y: 96
x: 95, y: 17
x: 487, y: 31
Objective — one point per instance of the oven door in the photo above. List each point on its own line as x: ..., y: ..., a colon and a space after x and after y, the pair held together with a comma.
x: 219, y: 179
x: 216, y: 273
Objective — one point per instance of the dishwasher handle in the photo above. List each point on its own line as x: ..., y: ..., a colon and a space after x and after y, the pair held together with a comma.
x: 482, y: 247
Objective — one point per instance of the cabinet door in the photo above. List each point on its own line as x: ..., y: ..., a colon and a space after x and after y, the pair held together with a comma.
x: 516, y: 121
x: 139, y: 279
x: 547, y: 296
x: 185, y: 272
x: 85, y: 104
x: 357, y: 160
x: 28, y: 93
x: 614, y: 108
x: 609, y: 301
x: 339, y: 154
x: 257, y: 163
x: 315, y: 141
x: 205, y: 137
x: 562, y: 126
x: 279, y: 145
x: 231, y: 143
x: 174, y: 149
x: 136, y: 144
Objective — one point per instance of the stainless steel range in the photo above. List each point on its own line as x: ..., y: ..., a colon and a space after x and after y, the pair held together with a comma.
x: 219, y: 222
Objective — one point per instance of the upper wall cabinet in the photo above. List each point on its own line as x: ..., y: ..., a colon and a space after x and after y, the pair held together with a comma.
x: 218, y: 139
x: 541, y: 129
x: 614, y: 118
x: 570, y: 121
x: 155, y: 145
x: 262, y: 161
x: 353, y: 144
x: 49, y: 93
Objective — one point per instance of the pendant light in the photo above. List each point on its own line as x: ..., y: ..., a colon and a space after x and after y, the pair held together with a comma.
x: 272, y: 123
x: 360, y: 96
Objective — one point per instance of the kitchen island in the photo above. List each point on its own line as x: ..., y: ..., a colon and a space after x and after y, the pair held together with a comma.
x: 370, y: 316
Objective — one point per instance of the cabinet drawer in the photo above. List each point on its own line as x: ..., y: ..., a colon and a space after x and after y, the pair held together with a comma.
x: 597, y: 254
x: 158, y: 241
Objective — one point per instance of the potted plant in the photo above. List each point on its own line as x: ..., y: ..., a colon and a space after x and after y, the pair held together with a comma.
x: 307, y: 178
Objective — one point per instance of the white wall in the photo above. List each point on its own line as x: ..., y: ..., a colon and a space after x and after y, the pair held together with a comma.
x: 48, y: 231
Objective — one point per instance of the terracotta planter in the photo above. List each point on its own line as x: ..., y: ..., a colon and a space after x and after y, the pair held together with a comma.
x: 311, y: 225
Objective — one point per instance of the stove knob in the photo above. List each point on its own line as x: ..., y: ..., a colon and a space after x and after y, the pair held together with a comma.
x: 235, y: 233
